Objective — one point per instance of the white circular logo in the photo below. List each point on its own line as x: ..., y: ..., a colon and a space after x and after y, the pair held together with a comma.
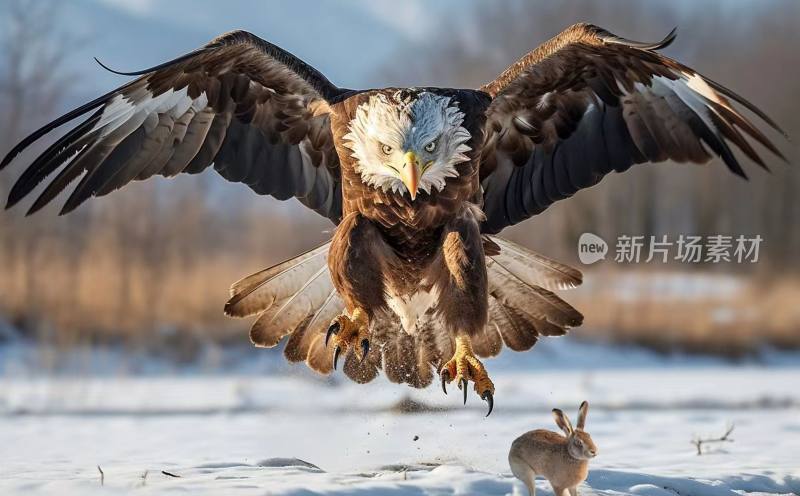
x: 591, y: 248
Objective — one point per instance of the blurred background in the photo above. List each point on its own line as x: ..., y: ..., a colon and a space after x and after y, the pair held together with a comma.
x: 147, y: 270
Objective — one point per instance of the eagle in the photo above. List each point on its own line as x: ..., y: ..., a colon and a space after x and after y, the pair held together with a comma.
x: 418, y: 182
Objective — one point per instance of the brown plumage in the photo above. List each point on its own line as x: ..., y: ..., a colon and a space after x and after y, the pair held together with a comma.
x: 412, y: 254
x: 586, y: 103
x: 562, y: 460
x: 242, y: 109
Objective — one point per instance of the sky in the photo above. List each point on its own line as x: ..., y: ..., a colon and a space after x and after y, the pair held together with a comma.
x: 352, y: 42
x: 133, y: 34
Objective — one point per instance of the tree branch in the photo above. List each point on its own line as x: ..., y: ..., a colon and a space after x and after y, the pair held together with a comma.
x: 725, y: 438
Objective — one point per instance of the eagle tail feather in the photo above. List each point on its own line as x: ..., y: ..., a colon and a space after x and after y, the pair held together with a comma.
x: 410, y: 359
x: 257, y: 292
x: 521, y: 306
x: 295, y: 298
x: 533, y: 268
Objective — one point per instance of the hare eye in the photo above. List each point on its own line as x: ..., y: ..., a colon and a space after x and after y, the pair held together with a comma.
x: 386, y: 149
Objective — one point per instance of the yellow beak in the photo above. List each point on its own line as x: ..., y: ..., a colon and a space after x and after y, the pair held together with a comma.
x: 410, y: 173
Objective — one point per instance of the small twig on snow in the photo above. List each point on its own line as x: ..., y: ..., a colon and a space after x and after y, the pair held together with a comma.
x: 102, y: 475
x: 170, y: 474
x: 144, y: 477
x: 725, y: 438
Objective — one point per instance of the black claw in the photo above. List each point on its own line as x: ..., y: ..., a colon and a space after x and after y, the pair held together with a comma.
x: 463, y: 385
x: 336, y: 353
x: 333, y: 329
x: 489, y: 398
x: 364, y: 349
x: 445, y: 379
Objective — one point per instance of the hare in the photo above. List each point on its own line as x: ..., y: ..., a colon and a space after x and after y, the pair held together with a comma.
x: 563, y: 461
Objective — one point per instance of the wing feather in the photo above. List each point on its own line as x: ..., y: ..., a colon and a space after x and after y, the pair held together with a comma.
x: 533, y: 268
x: 257, y: 292
x: 253, y: 110
x: 588, y: 102
x: 285, y: 314
x: 299, y: 343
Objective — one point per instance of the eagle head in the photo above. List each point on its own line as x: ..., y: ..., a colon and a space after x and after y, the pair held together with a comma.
x: 411, y: 140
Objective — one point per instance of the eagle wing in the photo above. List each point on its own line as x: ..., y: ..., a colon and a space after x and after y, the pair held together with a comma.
x: 586, y: 103
x: 254, y: 111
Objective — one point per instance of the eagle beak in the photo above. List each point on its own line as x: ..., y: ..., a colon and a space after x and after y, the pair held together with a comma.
x: 410, y: 173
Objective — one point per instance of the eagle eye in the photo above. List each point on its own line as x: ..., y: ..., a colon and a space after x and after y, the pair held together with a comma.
x: 430, y: 147
x: 386, y: 149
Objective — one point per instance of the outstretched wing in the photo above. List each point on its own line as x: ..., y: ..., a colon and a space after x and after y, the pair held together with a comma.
x: 253, y: 110
x: 588, y: 102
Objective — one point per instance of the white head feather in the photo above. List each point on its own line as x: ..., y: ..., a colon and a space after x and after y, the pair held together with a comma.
x: 409, y: 120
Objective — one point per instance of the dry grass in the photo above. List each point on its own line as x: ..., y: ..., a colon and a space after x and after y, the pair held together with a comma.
x: 143, y: 305
x: 94, y: 304
x: 100, y: 298
x: 694, y: 312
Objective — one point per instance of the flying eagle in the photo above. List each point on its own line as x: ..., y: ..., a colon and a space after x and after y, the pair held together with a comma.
x: 417, y: 180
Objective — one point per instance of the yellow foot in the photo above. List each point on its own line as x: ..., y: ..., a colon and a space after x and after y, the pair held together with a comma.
x: 346, y: 332
x: 465, y: 367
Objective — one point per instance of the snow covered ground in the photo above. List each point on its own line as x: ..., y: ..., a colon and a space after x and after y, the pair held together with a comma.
x: 249, y: 432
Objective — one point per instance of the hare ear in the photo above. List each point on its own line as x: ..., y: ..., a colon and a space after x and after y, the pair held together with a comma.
x: 582, y: 411
x: 562, y: 421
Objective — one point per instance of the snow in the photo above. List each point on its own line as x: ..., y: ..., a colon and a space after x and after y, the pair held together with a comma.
x: 242, y: 431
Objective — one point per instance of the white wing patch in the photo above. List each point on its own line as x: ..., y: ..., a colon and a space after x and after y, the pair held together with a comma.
x: 141, y: 104
x: 698, y: 84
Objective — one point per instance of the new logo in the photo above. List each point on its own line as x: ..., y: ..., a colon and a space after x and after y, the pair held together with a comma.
x: 591, y: 248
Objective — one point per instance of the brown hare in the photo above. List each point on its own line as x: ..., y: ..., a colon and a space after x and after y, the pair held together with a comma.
x: 563, y: 461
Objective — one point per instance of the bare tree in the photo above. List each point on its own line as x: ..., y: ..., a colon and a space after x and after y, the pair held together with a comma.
x: 33, y: 83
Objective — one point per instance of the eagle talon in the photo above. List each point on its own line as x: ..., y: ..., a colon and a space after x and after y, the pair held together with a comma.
x: 488, y: 397
x: 336, y: 353
x: 364, y: 349
x: 349, y: 332
x: 465, y: 367
x: 333, y: 329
